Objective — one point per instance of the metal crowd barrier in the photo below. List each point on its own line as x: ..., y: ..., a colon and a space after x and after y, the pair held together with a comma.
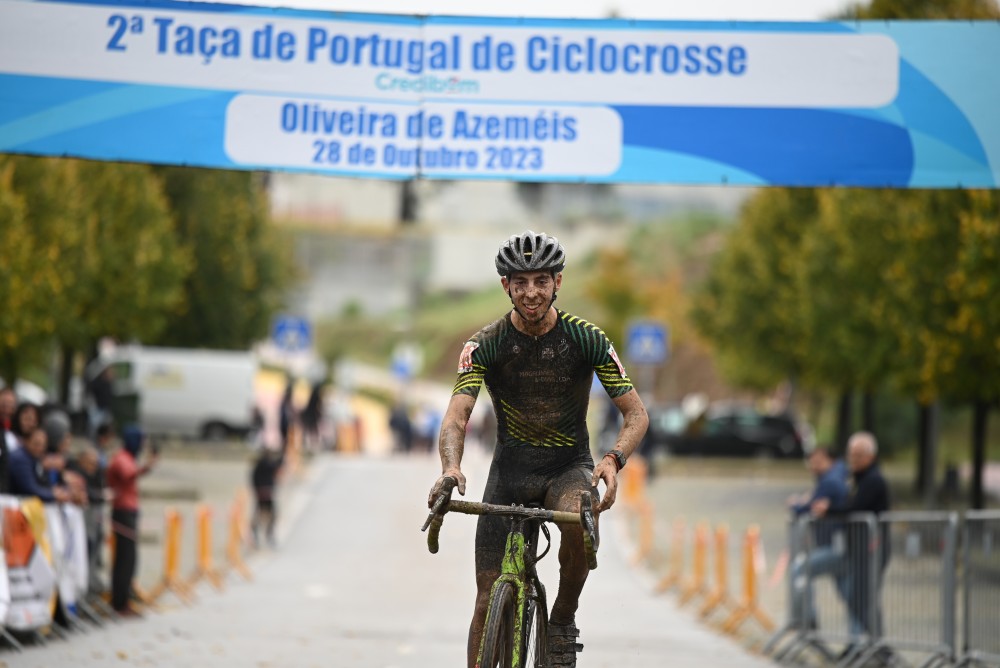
x: 981, y: 589
x: 865, y: 588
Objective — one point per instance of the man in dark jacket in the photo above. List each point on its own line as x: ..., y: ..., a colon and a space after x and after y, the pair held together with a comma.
x: 870, y: 494
x: 825, y: 556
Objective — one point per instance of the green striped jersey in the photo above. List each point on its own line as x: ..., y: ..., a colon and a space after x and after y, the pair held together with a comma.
x: 540, y: 386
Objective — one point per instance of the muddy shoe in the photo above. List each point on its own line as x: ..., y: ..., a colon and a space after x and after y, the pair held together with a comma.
x: 563, y: 646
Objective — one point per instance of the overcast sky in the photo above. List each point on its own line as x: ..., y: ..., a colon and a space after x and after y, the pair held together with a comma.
x: 745, y: 10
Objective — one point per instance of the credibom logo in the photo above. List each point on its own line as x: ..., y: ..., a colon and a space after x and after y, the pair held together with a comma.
x: 427, y: 83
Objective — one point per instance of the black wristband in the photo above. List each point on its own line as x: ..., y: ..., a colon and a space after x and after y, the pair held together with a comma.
x: 618, y: 457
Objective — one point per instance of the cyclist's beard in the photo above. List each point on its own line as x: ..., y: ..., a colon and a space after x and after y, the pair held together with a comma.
x: 543, y: 311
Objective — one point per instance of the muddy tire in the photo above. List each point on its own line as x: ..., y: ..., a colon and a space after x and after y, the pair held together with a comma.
x: 498, y: 638
x: 536, y: 633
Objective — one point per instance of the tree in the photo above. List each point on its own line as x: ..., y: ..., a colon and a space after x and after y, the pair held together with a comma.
x: 39, y: 212
x: 239, y: 268
x: 749, y: 305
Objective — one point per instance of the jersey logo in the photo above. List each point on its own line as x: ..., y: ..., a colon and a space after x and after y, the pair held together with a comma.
x: 614, y: 356
x: 465, y: 359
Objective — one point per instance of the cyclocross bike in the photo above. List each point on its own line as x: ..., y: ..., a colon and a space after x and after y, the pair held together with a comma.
x: 516, y: 631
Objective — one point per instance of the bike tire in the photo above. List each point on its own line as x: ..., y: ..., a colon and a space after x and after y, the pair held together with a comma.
x: 498, y: 637
x: 535, y: 651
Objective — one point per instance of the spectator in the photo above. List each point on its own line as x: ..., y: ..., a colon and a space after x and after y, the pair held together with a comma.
x: 312, y: 418
x: 123, y: 480
x: 88, y: 465
x: 59, y: 441
x: 870, y: 495
x: 826, y: 556
x: 401, y: 427
x: 8, y: 404
x: 101, y: 390
x: 264, y: 479
x: 27, y: 418
x: 28, y: 476
x: 286, y: 413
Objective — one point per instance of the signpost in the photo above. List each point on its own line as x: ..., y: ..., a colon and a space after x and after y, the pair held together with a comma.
x: 292, y: 334
x: 647, y: 347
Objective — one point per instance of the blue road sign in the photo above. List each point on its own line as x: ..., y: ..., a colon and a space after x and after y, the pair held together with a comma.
x: 292, y: 333
x: 647, y: 343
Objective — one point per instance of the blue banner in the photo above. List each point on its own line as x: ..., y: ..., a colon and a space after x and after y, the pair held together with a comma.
x: 873, y: 104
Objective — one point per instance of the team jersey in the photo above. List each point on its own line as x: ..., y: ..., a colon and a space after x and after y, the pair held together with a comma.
x: 540, y: 386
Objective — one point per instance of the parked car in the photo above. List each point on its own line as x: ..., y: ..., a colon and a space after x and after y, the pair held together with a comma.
x: 728, y: 430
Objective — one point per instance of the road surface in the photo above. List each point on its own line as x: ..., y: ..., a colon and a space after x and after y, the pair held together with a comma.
x: 352, y: 584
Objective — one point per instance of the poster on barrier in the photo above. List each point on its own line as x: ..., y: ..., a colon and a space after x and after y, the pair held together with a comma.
x: 4, y: 584
x: 67, y: 533
x: 30, y: 575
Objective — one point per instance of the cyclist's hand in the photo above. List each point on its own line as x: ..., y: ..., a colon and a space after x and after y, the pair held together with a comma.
x: 606, y: 471
x: 438, y: 487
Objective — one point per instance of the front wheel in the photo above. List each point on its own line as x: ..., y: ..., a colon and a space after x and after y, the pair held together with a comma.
x: 536, y: 632
x: 497, y: 649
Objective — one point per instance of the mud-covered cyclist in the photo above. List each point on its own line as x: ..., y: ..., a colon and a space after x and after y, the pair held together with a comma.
x: 538, y: 363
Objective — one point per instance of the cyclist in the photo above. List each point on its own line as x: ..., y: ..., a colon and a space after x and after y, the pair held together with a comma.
x: 537, y: 363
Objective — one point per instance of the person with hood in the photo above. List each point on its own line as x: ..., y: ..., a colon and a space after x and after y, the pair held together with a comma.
x: 123, y: 476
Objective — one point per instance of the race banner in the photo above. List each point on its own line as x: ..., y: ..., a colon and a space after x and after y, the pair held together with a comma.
x: 30, y: 575
x: 873, y: 104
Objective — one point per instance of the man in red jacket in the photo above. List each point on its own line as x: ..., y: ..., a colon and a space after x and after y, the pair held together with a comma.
x: 123, y: 480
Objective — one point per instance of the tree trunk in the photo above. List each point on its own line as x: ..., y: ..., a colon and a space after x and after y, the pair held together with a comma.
x: 868, y: 411
x: 927, y: 437
x: 845, y: 421
x: 65, y: 374
x: 8, y: 366
x: 980, y: 413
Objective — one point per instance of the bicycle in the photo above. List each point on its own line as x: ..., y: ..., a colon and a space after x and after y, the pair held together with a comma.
x: 516, y: 629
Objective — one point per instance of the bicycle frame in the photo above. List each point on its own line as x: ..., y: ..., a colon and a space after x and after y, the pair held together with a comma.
x: 517, y: 568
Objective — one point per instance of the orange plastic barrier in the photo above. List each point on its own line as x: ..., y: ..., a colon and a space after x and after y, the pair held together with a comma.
x: 237, y: 536
x: 719, y: 596
x: 203, y: 564
x: 748, y: 607
x: 697, y: 585
x: 171, y: 581
x: 675, y: 570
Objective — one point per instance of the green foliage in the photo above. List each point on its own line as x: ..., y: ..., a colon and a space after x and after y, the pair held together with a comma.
x: 240, y: 267
x: 749, y: 306
x: 127, y: 265
x: 926, y: 9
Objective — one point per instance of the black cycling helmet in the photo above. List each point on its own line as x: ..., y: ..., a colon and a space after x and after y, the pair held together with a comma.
x: 530, y: 252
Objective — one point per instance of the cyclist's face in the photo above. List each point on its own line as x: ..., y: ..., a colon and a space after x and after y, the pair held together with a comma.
x: 532, y: 292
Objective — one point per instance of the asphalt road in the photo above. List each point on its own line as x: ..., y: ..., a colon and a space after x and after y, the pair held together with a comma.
x: 352, y: 584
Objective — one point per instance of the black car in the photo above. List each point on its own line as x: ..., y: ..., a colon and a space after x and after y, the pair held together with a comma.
x: 729, y: 431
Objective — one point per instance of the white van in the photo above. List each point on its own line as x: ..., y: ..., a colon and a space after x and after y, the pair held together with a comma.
x: 190, y: 393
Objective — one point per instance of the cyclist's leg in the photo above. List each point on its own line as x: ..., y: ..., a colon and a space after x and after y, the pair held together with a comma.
x: 564, y: 494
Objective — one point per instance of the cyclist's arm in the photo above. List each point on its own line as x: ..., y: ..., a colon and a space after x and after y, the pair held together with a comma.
x: 630, y: 435
x: 452, y: 442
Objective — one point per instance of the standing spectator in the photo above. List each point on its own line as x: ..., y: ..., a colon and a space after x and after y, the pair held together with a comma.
x: 8, y: 404
x: 102, y: 393
x: 286, y: 413
x: 825, y: 557
x: 401, y: 427
x: 264, y: 480
x: 28, y: 476
x: 88, y: 466
x: 312, y: 417
x: 123, y: 479
x: 870, y: 495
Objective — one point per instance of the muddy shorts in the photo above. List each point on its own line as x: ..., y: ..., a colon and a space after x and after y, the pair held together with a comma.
x: 513, y: 486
